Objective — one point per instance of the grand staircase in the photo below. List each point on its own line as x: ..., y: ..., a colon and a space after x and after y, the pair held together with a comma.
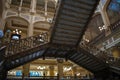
x: 69, y: 25
x: 83, y: 58
x: 25, y: 50
x: 70, y: 21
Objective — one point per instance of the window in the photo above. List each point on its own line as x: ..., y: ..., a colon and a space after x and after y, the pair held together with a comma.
x: 113, y: 11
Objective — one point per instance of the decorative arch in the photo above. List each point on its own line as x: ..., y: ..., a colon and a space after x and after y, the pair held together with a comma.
x: 113, y: 11
x: 16, y: 22
x: 97, y: 13
x: 42, y: 25
x: 106, y: 5
x: 8, y: 17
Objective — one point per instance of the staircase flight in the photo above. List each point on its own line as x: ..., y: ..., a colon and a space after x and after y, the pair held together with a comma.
x: 69, y: 25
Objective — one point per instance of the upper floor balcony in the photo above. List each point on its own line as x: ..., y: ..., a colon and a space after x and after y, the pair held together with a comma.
x: 103, y: 38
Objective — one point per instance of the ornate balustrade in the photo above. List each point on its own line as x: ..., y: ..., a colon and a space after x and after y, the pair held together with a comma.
x: 49, y: 78
x: 106, y: 57
x: 102, y: 55
x: 17, y: 46
x: 114, y: 61
x: 114, y: 27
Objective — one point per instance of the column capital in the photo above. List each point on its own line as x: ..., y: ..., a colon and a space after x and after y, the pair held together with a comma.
x: 51, y: 67
x: 60, y: 68
x: 60, y: 60
x: 31, y: 26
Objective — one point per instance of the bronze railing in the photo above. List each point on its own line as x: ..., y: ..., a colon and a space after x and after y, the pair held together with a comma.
x: 17, y: 46
x: 114, y: 27
x: 95, y: 51
x: 102, y: 55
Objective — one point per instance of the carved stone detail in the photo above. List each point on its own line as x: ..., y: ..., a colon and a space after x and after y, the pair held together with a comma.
x: 25, y: 16
x: 11, y: 14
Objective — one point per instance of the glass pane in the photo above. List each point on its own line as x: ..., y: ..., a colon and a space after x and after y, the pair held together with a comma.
x: 113, y: 11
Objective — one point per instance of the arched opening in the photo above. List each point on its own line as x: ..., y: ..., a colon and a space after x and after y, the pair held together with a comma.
x: 113, y: 11
x: 41, y: 26
x: 16, y: 23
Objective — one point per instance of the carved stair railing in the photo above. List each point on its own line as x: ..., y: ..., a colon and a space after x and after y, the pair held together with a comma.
x: 114, y: 61
x: 115, y: 26
x: 16, y: 47
x: 114, y: 29
x: 109, y: 60
x: 94, y: 51
x: 102, y: 55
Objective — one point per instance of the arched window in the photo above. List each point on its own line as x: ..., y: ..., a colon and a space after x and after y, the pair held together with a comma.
x: 113, y: 11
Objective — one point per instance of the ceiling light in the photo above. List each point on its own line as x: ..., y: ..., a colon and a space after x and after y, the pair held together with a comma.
x: 20, y: 31
x: 41, y: 67
x: 78, y: 74
x: 99, y: 27
x: 67, y: 69
x: 13, y: 31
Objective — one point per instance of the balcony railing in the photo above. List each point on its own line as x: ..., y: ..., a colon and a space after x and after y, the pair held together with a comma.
x: 17, y: 46
x: 114, y: 27
x: 102, y: 55
x: 50, y: 78
x: 117, y: 41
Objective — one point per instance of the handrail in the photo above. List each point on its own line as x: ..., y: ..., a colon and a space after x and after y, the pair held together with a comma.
x: 113, y: 28
x: 50, y: 77
x: 17, y: 46
x: 102, y: 55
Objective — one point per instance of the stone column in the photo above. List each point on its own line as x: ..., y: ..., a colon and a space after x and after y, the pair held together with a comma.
x: 74, y: 71
x: 60, y: 68
x: 20, y: 7
x: 4, y: 8
x: 26, y: 69
x: 33, y: 6
x: 105, y: 19
x: 30, y: 27
x: 104, y: 15
x: 51, y: 70
x: 87, y: 74
x: 46, y: 3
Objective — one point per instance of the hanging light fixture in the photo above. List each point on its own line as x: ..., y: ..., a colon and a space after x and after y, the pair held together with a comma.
x: 102, y: 28
x: 16, y: 31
